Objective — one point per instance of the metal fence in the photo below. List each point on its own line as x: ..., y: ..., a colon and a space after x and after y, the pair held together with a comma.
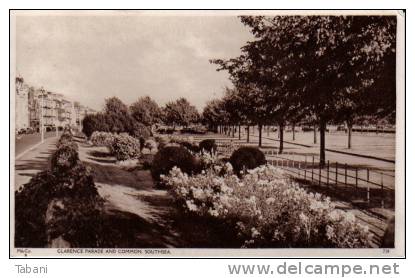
x: 333, y: 173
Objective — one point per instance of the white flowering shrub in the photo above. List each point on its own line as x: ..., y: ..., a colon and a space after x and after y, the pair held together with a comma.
x: 125, y: 147
x: 100, y: 138
x: 267, y: 208
x: 207, y: 160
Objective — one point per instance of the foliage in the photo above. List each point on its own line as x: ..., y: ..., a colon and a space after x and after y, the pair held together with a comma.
x: 266, y: 209
x: 139, y: 130
x: 125, y: 147
x: 64, y: 159
x: 94, y: 122
x: 171, y: 156
x: 318, y: 66
x: 101, y: 138
x: 63, y: 202
x: 185, y: 142
x: 209, y: 145
x: 246, y: 158
x: 146, y: 111
x: 180, y: 112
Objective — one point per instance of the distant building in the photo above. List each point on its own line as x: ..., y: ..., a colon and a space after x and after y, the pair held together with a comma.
x: 35, y: 107
x: 22, y: 104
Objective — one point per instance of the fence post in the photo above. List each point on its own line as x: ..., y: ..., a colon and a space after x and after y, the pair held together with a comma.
x: 345, y: 173
x: 383, y: 191
x: 357, y: 175
x: 312, y: 171
x: 336, y: 171
x: 319, y: 174
x: 328, y: 172
x: 367, y: 184
x: 305, y: 168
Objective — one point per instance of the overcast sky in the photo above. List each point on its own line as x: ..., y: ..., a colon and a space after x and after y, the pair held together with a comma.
x: 90, y: 58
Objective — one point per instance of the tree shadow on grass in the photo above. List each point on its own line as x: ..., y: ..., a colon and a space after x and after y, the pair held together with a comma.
x: 127, y: 230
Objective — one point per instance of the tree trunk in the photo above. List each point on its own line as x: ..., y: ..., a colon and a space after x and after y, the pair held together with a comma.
x: 260, y: 135
x: 293, y: 128
x: 349, y: 135
x: 322, y: 142
x: 247, y: 133
x: 239, y: 132
x: 281, y: 137
x: 233, y: 131
x: 315, y: 134
x: 267, y: 130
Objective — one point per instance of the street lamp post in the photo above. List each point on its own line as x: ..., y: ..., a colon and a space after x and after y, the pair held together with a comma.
x: 42, y: 135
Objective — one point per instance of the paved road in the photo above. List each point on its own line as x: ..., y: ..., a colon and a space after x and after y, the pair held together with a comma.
x: 26, y: 141
x: 32, y: 162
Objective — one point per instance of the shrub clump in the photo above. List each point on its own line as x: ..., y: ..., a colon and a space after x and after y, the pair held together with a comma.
x: 100, y: 138
x: 139, y: 130
x: 209, y: 145
x: 170, y: 156
x: 246, y: 158
x: 62, y: 203
x: 125, y: 147
x: 64, y: 159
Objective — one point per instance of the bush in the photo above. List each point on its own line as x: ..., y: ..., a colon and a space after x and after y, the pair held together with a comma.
x: 186, y: 142
x: 139, y: 130
x: 100, y: 138
x: 246, y: 158
x: 168, y: 157
x: 208, y: 145
x: 58, y: 204
x: 267, y: 209
x: 64, y: 158
x: 190, y: 146
x: 125, y: 147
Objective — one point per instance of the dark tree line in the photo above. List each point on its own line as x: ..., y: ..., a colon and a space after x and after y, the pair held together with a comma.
x: 318, y: 69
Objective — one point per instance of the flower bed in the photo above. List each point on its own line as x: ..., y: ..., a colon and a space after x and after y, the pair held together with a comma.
x: 266, y: 209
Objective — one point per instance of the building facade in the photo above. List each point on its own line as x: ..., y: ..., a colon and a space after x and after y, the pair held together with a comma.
x: 35, y: 107
x: 22, y: 105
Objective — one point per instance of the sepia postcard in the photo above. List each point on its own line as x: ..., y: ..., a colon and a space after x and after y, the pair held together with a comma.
x: 207, y: 133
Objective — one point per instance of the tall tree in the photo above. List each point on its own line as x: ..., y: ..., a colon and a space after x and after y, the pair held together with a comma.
x: 180, y: 112
x: 332, y: 53
x: 117, y: 115
x: 146, y: 111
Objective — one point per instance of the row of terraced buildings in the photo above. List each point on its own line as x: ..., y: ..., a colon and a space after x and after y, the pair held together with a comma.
x: 36, y: 105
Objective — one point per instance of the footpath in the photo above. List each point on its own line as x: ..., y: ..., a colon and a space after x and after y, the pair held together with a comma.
x: 32, y: 161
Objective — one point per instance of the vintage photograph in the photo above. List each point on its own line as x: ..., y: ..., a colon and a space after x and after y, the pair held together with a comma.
x: 207, y: 133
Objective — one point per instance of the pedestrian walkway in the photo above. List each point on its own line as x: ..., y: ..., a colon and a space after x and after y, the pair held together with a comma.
x: 32, y: 162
